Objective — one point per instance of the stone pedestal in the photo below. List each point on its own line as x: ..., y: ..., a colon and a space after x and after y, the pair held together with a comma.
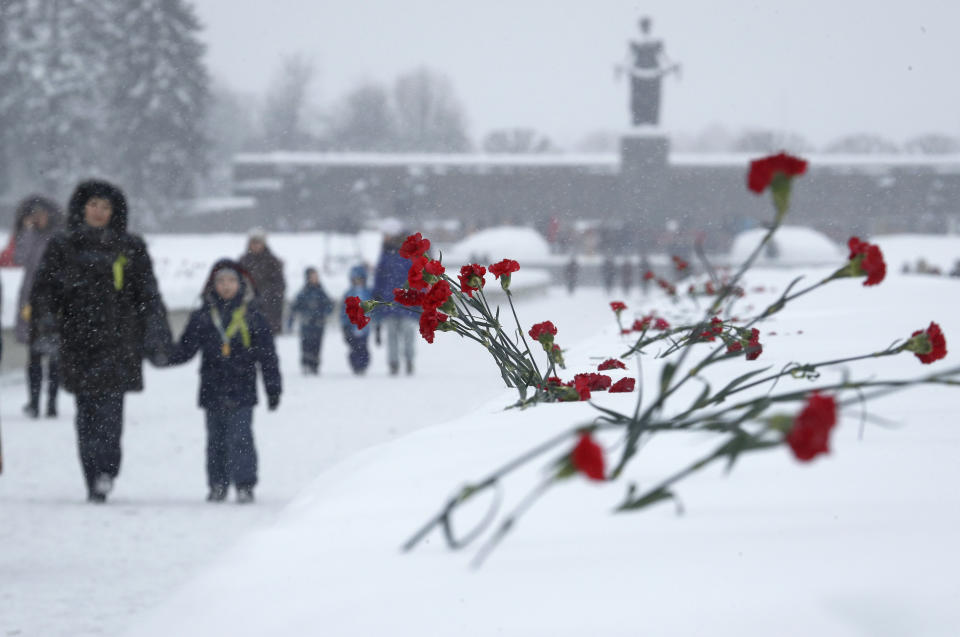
x: 644, y: 179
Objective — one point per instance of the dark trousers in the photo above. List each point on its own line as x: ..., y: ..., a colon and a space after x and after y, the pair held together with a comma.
x: 310, y: 340
x: 35, y: 377
x: 99, y: 426
x: 359, y: 354
x: 231, y: 456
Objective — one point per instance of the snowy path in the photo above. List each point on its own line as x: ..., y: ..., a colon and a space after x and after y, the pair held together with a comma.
x: 69, y: 568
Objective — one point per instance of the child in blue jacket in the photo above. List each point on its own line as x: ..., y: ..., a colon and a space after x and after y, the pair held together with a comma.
x: 233, y: 338
x: 359, y: 355
x: 312, y: 306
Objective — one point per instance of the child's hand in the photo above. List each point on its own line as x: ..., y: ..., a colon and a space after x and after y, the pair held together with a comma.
x: 273, y: 401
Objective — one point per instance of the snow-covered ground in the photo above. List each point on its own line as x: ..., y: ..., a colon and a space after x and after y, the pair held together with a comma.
x: 858, y: 543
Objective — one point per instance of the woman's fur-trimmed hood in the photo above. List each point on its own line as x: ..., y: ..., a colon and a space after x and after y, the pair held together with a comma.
x: 87, y: 190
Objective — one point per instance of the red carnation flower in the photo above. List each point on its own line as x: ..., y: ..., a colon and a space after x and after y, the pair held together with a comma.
x: 414, y: 246
x: 734, y: 347
x: 623, y: 386
x: 355, y: 312
x: 648, y: 275
x: 415, y: 275
x: 593, y: 382
x: 617, y: 306
x: 437, y: 295
x: 471, y: 278
x: 587, y: 458
x: 661, y: 324
x: 410, y: 298
x: 810, y: 435
x: 679, y: 263
x: 543, y: 331
x: 434, y: 268
x: 867, y: 258
x: 429, y: 320
x: 641, y: 324
x: 611, y: 363
x: 505, y: 267
x: 762, y: 171
x: 929, y: 345
x: 754, y: 348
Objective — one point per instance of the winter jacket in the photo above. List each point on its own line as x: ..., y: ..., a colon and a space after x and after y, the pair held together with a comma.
x: 30, y: 249
x: 313, y: 306
x: 267, y: 273
x: 228, y: 375
x: 96, y: 288
x: 391, y: 273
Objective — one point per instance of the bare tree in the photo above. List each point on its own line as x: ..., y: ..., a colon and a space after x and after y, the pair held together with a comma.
x: 862, y: 144
x: 429, y: 115
x: 932, y: 144
x: 770, y: 141
x: 363, y: 121
x: 517, y: 140
x: 283, y: 115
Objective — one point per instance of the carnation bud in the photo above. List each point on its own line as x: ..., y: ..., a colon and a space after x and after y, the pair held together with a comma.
x: 505, y: 281
x: 475, y: 281
x: 919, y: 344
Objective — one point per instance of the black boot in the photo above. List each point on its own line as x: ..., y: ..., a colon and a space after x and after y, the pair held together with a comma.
x: 32, y: 410
x: 394, y: 369
x: 52, y: 407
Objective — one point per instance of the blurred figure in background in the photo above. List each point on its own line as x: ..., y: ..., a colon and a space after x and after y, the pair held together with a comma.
x: 571, y: 274
x: 8, y: 256
x: 312, y: 306
x: 267, y: 272
x: 626, y: 276
x: 609, y: 272
x: 40, y: 219
x: 359, y: 355
x: 400, y: 323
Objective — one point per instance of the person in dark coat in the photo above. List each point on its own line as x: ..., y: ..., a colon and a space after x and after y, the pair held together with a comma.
x: 233, y: 338
x: 356, y: 338
x: 572, y: 273
x: 41, y: 219
x: 626, y: 275
x: 609, y: 273
x: 95, y: 287
x: 267, y: 273
x: 399, y: 321
x: 312, y: 306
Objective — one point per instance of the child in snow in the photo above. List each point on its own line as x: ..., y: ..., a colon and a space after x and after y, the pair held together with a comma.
x: 233, y: 338
x: 313, y: 306
x: 356, y: 338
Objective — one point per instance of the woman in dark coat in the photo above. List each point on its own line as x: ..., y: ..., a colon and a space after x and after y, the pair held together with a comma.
x: 267, y: 272
x: 41, y: 219
x: 95, y: 288
x: 234, y: 339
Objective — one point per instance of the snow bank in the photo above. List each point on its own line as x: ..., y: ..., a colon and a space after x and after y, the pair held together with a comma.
x: 846, y: 538
x: 791, y: 246
x: 501, y: 242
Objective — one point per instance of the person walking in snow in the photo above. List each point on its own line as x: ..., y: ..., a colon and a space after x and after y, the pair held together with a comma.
x: 267, y: 273
x: 312, y: 306
x: 399, y: 322
x: 359, y: 355
x: 233, y: 338
x: 95, y: 287
x: 41, y: 219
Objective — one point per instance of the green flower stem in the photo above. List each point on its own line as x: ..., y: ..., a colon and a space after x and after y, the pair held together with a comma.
x: 492, y: 479
x: 510, y: 521
x: 523, y: 337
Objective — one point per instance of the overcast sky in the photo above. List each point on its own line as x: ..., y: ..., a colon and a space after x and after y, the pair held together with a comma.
x: 821, y: 68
